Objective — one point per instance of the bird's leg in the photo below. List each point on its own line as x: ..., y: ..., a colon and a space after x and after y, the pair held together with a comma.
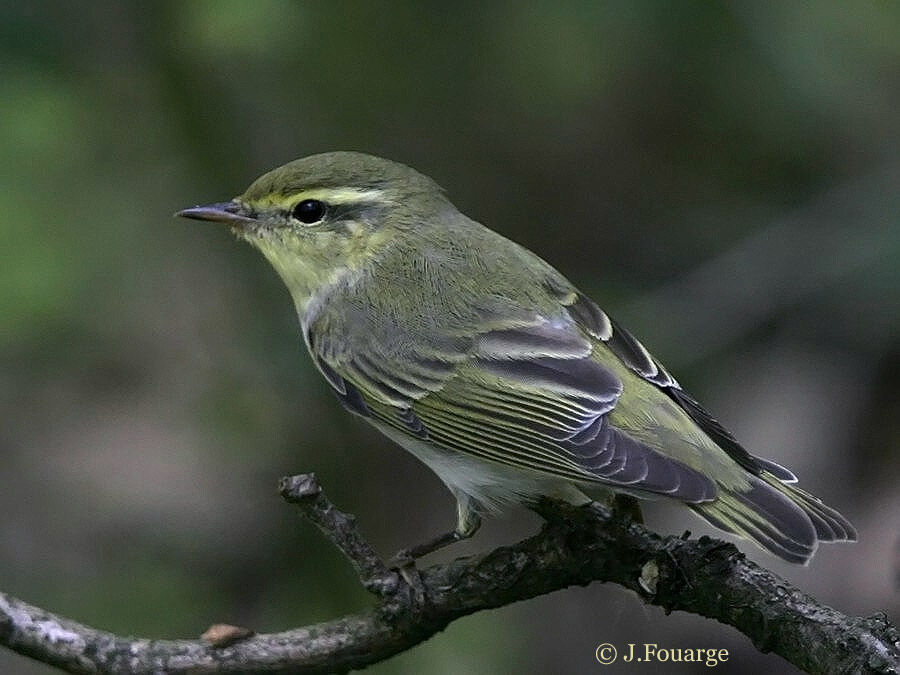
x: 467, y: 523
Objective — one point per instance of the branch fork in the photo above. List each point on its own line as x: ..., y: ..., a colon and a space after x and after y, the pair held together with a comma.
x: 576, y: 546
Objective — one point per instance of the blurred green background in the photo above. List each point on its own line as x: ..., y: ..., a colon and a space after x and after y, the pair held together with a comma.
x: 722, y: 177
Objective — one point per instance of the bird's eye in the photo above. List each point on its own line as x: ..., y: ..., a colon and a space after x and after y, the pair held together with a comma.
x: 309, y: 211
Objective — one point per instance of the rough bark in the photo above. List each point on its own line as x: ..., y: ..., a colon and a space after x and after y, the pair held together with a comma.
x: 575, y: 547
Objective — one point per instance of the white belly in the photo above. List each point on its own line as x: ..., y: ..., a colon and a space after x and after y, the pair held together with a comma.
x: 489, y: 483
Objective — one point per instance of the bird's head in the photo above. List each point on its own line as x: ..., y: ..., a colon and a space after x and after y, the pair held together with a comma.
x: 323, y: 217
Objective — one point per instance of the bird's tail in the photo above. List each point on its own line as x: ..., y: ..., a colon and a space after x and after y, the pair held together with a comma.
x: 778, y: 516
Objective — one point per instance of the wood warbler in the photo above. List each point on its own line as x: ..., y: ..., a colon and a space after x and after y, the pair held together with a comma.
x: 491, y: 367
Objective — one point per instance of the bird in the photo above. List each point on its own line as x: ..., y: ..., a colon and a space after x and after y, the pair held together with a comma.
x: 491, y: 367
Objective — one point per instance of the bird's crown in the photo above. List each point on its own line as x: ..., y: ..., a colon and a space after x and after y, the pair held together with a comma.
x: 337, y: 177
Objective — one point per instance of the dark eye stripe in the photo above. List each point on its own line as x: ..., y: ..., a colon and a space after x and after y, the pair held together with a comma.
x: 361, y: 210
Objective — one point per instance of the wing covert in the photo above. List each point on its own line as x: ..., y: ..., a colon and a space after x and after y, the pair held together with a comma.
x: 531, y: 396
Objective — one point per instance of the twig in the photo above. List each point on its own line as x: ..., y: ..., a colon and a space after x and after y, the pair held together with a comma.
x: 575, y: 547
x: 340, y: 527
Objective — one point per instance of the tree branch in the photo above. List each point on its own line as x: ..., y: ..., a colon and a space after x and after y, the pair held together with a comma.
x: 575, y: 547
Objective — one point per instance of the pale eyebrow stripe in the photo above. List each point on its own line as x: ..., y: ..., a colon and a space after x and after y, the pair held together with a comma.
x: 336, y: 196
x: 340, y: 195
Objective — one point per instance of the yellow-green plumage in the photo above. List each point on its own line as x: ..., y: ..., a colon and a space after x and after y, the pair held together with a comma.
x: 487, y: 364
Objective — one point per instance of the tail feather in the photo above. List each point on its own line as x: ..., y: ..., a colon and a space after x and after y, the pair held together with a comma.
x: 779, y: 517
x: 830, y: 525
x: 781, y: 473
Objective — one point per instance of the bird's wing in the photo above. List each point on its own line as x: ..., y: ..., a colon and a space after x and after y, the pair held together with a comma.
x: 636, y: 357
x: 530, y: 396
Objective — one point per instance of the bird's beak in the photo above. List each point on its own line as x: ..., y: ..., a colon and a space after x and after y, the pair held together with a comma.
x: 223, y: 212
